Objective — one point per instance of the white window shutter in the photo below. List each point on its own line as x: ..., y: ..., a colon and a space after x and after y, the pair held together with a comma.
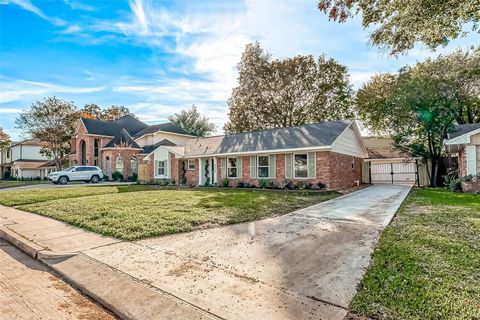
x: 289, y: 166
x: 471, y: 153
x: 311, y: 165
x: 239, y: 167
x: 155, y: 168
x: 272, y: 166
x: 223, y: 168
x: 253, y: 167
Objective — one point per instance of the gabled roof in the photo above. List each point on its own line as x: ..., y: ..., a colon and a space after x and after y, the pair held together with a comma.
x: 123, y: 140
x: 462, y: 129
x: 168, y: 127
x: 152, y: 147
x: 304, y: 136
x: 113, y: 128
x: 29, y: 142
x: 132, y: 125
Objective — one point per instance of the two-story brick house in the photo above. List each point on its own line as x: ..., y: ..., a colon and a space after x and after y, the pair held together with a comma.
x: 329, y: 152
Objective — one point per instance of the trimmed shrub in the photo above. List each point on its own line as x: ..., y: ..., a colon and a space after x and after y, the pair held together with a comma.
x: 117, y: 176
x: 225, y: 183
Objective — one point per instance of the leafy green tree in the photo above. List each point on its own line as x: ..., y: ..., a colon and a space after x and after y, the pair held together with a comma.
x: 52, y: 121
x: 193, y: 122
x: 415, y: 108
x: 281, y: 93
x: 93, y: 111
x: 399, y: 24
x: 4, y: 139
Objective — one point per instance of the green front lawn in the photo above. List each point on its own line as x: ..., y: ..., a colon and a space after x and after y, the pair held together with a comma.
x: 20, y: 197
x: 122, y: 213
x: 427, y: 263
x: 14, y: 183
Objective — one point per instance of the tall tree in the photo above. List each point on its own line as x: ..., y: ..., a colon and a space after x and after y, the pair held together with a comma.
x: 280, y: 93
x: 93, y: 111
x: 53, y: 121
x: 4, y: 139
x: 399, y: 24
x: 417, y: 107
x: 115, y: 112
x: 193, y: 122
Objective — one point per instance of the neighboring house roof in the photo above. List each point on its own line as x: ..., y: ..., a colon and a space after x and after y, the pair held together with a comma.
x: 168, y: 127
x: 297, y: 137
x: 132, y: 125
x: 151, y: 147
x: 48, y: 164
x: 30, y: 164
x: 462, y: 129
x: 381, y: 148
x: 123, y: 139
x: 460, y: 136
x: 29, y: 142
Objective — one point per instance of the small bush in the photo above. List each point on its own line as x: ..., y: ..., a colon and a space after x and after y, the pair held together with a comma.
x: 289, y: 185
x: 468, y: 178
x: 164, y: 182
x: 300, y: 185
x: 225, y: 183
x: 321, y: 185
x: 243, y: 184
x: 117, y: 176
x: 262, y: 184
x: 454, y: 185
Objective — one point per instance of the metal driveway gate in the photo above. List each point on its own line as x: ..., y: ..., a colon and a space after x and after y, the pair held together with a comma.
x: 395, y: 173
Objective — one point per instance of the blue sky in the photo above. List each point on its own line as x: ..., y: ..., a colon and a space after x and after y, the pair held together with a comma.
x: 158, y: 57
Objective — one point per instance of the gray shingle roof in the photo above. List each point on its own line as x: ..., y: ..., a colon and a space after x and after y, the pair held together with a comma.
x: 152, y: 147
x: 168, y: 127
x: 123, y: 139
x: 304, y: 136
x: 461, y: 129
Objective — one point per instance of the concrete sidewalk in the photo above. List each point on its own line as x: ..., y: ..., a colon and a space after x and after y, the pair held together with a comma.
x: 301, y: 265
x: 60, y: 247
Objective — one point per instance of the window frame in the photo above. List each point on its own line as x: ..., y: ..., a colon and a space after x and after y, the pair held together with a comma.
x: 163, y: 162
x: 188, y: 165
x: 294, y: 165
x: 230, y: 167
x: 259, y: 166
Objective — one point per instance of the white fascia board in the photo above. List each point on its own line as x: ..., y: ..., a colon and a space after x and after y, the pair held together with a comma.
x: 463, y: 139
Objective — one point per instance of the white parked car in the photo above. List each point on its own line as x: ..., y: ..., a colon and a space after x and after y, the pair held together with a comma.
x: 77, y: 173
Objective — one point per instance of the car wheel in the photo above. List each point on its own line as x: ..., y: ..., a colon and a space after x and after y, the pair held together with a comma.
x: 63, y: 180
x: 95, y: 179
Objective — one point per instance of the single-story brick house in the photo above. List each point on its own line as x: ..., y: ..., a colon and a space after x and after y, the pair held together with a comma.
x: 329, y: 152
x: 464, y: 143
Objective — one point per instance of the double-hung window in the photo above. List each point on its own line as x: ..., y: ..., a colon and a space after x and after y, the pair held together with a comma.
x: 191, y: 164
x: 301, y: 165
x: 161, y: 168
x: 232, y: 167
x: 263, y: 167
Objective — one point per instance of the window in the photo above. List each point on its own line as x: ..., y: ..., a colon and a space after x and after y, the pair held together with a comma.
x: 191, y: 164
x: 232, y: 167
x: 161, y: 168
x: 119, y: 164
x: 95, y: 148
x: 301, y: 166
x: 134, y: 165
x: 262, y: 162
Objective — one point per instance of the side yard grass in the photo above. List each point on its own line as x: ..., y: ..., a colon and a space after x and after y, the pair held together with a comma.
x: 135, y: 212
x: 427, y: 263
x: 4, y: 184
x: 21, y: 197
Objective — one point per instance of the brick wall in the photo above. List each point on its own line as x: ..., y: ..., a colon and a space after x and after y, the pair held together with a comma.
x: 333, y: 169
x: 192, y: 175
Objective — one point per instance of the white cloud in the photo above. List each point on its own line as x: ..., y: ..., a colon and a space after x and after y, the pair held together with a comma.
x: 27, y: 5
x: 18, y: 90
x: 10, y: 110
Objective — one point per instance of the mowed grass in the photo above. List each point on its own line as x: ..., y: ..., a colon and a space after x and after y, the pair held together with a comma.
x: 427, y: 263
x: 21, y: 197
x: 135, y: 215
x: 4, y: 184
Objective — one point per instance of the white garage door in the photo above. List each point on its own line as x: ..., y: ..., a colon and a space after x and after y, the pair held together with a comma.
x: 397, y: 173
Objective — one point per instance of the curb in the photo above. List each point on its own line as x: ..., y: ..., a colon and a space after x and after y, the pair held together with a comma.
x: 25, y: 245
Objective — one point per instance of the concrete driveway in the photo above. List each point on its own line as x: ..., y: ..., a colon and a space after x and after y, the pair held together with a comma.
x: 304, y: 265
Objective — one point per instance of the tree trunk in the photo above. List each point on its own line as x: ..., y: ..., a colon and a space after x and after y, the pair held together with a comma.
x: 434, y: 176
x: 58, y: 164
